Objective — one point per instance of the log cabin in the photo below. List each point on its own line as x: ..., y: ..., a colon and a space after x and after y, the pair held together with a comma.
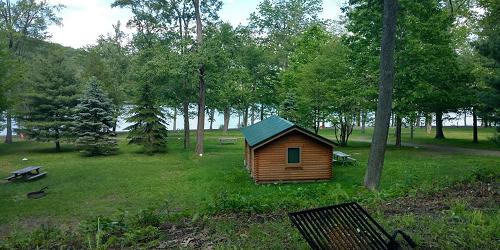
x: 277, y: 150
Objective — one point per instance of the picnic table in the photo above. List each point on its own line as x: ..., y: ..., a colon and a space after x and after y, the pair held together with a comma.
x: 342, y: 157
x: 227, y: 140
x: 30, y: 173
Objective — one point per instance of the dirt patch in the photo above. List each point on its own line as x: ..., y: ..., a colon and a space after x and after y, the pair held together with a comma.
x: 186, y: 234
x: 479, y: 195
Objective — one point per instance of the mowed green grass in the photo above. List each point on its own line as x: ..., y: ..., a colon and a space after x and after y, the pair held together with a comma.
x: 86, y: 187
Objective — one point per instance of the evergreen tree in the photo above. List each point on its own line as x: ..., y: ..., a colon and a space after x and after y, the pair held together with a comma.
x: 94, y: 122
x: 148, y: 128
x: 48, y: 109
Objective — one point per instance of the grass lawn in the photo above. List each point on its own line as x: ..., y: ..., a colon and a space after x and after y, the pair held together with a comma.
x: 456, y: 137
x: 216, y: 186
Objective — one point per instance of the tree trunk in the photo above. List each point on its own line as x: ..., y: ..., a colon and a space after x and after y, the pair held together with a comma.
x: 439, y: 125
x: 412, y: 128
x: 262, y: 112
x: 226, y: 120
x: 201, y: 101
x: 399, y: 124
x: 8, y: 136
x: 465, y: 118
x: 428, y: 123
x: 392, y: 120
x: 363, y: 122
x: 383, y: 114
x: 58, y: 146
x: 185, y: 110
x: 245, y: 117
x: 211, y: 117
x: 239, y: 119
x: 252, y: 116
x: 358, y: 119
x: 175, y: 119
x: 474, y: 124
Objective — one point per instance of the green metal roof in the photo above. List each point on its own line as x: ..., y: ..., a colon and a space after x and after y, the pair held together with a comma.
x: 265, y: 129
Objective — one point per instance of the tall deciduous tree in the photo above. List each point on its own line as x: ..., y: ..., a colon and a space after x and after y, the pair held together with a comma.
x: 488, y: 46
x: 20, y: 20
x: 109, y: 62
x: 94, y: 122
x: 202, y: 87
x: 382, y: 116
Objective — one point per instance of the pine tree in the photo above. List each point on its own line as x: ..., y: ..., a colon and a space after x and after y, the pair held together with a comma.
x: 148, y: 127
x: 94, y: 122
x: 48, y: 109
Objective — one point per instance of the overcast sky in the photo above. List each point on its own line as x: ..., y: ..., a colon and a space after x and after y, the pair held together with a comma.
x: 84, y: 20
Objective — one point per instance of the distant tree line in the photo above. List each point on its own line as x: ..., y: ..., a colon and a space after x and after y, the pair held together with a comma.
x: 286, y: 61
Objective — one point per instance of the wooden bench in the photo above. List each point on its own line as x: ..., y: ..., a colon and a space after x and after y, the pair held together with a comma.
x: 37, y: 176
x: 10, y: 177
x: 227, y: 140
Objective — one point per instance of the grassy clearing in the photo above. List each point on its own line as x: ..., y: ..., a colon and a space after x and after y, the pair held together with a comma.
x: 82, y: 188
x: 456, y: 137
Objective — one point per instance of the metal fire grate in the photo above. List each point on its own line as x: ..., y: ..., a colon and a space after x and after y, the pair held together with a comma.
x: 344, y: 226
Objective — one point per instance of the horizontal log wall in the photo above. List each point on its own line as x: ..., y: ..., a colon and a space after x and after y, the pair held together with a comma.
x: 271, y: 160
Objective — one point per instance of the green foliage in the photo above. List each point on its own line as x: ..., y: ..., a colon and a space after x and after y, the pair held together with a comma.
x: 148, y: 128
x: 277, y: 22
x: 109, y: 62
x: 488, y: 46
x: 93, y: 122
x: 45, y: 237
x: 47, y: 110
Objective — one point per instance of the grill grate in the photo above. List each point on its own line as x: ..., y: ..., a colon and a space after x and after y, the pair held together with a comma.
x: 343, y: 226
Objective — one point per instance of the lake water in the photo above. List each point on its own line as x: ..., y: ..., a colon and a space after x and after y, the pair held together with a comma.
x: 451, y: 119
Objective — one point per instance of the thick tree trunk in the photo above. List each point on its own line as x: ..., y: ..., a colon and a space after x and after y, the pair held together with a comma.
x: 474, y: 124
x: 428, y: 123
x: 202, y: 89
x: 226, y: 120
x: 58, y: 146
x: 383, y: 114
x: 8, y: 136
x: 399, y: 124
x: 358, y: 119
x: 439, y: 125
x: 175, y: 119
x: 185, y: 110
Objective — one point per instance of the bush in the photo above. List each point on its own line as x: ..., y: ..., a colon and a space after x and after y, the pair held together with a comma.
x: 46, y: 237
x: 141, y: 230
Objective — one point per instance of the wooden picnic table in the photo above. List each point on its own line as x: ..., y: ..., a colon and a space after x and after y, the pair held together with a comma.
x: 342, y: 157
x: 30, y: 173
x: 227, y: 140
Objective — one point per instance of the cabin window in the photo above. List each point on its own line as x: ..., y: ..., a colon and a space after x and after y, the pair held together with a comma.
x: 293, y: 155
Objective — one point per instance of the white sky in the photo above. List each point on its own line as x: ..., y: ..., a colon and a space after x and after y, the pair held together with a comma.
x: 84, y: 20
